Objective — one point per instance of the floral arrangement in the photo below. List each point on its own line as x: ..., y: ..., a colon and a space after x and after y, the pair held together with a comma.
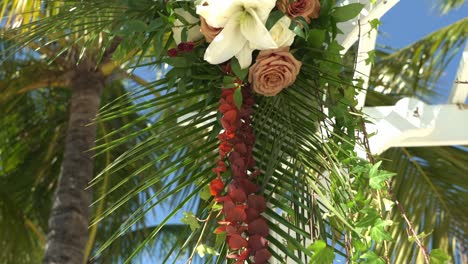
x: 234, y: 29
x: 259, y: 64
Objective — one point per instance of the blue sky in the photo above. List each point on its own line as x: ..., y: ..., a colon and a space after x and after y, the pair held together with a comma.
x: 407, y: 22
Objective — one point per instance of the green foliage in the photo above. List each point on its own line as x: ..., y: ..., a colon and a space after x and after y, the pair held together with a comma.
x: 377, y: 177
x: 438, y: 256
x: 347, y: 12
x: 191, y: 220
x: 372, y: 257
x: 322, y: 253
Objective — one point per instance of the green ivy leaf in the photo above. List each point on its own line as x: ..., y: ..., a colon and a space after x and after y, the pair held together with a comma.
x: 378, y: 232
x: 205, y: 193
x: 372, y: 258
x: 376, y: 181
x: 347, y: 12
x: 375, y: 23
x: 238, y: 97
x: 370, y: 57
x: 203, y: 249
x: 322, y: 253
x: 377, y: 177
x: 370, y: 217
x: 438, y: 256
x: 190, y: 219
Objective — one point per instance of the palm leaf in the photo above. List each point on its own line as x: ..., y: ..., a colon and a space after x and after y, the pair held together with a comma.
x: 438, y: 177
x: 415, y: 70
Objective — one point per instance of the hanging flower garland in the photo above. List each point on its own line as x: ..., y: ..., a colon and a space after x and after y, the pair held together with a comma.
x: 235, y: 29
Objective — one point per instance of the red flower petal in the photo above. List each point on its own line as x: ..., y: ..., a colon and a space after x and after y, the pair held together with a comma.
x: 244, y: 255
x: 224, y: 148
x: 248, y: 186
x: 259, y: 227
x: 241, y: 148
x: 230, y: 116
x: 220, y: 229
x: 257, y: 242
x: 236, y: 242
x: 262, y: 256
x: 236, y: 215
x: 231, y: 230
x: 224, y: 107
x: 227, y: 92
x: 228, y: 204
x: 252, y: 214
x: 236, y: 193
x: 257, y: 202
x: 216, y: 186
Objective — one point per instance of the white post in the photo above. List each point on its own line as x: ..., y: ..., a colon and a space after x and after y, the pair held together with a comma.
x: 460, y: 87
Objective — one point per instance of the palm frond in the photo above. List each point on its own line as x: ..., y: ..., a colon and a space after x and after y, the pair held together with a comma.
x: 415, y: 69
x: 447, y: 5
x: 438, y: 177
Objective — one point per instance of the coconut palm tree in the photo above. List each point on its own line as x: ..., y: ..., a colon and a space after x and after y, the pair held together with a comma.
x: 51, y: 90
x: 308, y: 208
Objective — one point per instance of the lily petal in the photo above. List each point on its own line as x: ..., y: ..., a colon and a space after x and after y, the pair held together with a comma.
x: 261, y: 7
x: 255, y: 32
x: 245, y: 56
x: 227, y: 43
x: 217, y: 13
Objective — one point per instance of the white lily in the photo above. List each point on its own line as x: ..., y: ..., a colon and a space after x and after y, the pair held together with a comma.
x: 243, y: 23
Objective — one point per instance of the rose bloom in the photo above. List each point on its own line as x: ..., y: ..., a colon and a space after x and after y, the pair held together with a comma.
x: 273, y: 71
x: 305, y: 8
x: 208, y: 31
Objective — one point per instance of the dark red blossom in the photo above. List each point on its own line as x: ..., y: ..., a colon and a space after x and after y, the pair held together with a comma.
x: 186, y: 46
x: 236, y: 242
x: 257, y: 242
x: 262, y: 256
x: 251, y: 214
x: 257, y: 202
x: 172, y: 52
x: 259, y: 227
x: 246, y: 230
x: 237, y: 193
x: 236, y: 215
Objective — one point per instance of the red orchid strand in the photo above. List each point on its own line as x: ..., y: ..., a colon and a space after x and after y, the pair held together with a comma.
x: 246, y: 229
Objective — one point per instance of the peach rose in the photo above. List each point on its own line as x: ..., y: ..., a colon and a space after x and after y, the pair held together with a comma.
x: 208, y: 31
x: 305, y: 8
x: 273, y: 71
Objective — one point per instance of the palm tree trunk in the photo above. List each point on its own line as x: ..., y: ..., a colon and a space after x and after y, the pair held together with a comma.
x: 69, y: 219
